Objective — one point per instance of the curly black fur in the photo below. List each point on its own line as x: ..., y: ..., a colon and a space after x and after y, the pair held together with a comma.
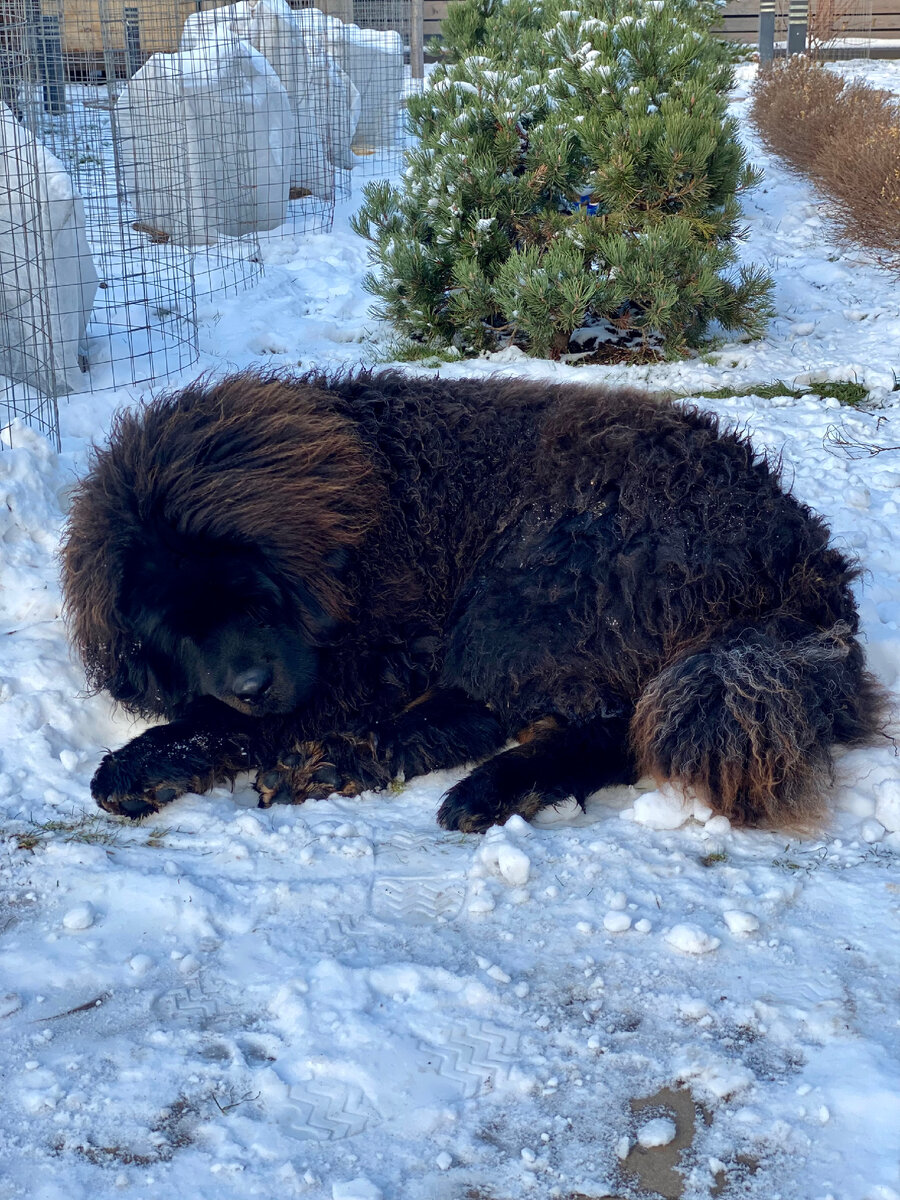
x: 336, y: 581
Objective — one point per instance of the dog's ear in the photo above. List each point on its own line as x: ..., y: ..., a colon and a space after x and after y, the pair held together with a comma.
x: 125, y: 672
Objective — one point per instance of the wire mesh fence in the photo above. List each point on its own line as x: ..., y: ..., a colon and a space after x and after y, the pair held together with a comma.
x: 146, y: 150
x: 373, y: 50
x: 823, y: 30
x: 840, y: 29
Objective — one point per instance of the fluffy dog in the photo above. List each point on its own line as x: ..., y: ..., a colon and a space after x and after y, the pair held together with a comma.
x: 334, y: 582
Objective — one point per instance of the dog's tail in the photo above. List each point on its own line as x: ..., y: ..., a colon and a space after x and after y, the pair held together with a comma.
x: 748, y: 719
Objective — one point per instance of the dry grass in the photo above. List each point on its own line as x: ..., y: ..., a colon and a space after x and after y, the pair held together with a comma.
x: 846, y: 136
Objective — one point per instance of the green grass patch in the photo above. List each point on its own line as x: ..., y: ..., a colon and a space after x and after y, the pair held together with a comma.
x: 426, y: 354
x: 713, y: 860
x: 847, y: 393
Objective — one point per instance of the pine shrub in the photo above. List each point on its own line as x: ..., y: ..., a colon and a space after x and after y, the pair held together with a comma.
x: 595, y: 183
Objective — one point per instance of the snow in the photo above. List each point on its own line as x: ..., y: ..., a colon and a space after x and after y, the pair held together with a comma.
x: 658, y: 1132
x: 887, y: 803
x: 740, y: 922
x: 343, y: 1000
x: 667, y: 808
x: 691, y: 939
x: 78, y: 918
x: 356, y: 1189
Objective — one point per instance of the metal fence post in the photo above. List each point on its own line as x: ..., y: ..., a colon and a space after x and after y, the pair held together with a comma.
x: 47, y: 37
x: 798, y: 15
x: 417, y: 39
x: 133, y: 58
x: 766, y: 31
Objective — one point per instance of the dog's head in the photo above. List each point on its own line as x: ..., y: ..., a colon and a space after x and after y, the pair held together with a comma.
x: 213, y: 619
x: 209, y: 549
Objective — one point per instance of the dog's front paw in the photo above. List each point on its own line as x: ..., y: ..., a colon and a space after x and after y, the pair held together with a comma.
x: 124, y: 786
x: 340, y: 763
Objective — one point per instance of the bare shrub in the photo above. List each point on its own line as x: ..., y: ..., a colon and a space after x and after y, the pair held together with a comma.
x: 830, y: 20
x: 793, y: 109
x: 845, y: 136
x: 864, y: 172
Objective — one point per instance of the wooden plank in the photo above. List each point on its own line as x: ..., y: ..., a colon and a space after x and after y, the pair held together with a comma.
x: 882, y: 21
x: 736, y: 8
x: 882, y: 26
x: 740, y: 20
x: 435, y: 10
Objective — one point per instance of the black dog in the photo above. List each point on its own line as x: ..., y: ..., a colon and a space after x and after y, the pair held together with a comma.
x: 333, y: 582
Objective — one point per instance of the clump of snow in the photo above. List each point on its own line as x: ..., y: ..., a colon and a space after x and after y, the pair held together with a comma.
x: 691, y: 939
x: 871, y: 831
x: 718, y: 825
x: 666, y: 808
x: 513, y: 864
x: 500, y: 856
x: 356, y: 1189
x: 740, y: 922
x: 887, y: 804
x: 658, y: 1132
x: 82, y: 916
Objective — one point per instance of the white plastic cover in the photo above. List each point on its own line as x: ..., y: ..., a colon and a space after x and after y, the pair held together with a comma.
x: 295, y: 49
x: 47, y: 274
x: 206, y: 139
x: 344, y: 103
x: 373, y: 59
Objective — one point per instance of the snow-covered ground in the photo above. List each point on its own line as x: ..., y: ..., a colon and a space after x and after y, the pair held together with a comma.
x: 341, y: 1001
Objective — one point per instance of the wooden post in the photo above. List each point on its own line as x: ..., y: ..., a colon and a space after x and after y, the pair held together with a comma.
x: 417, y: 39
x: 766, y: 31
x: 798, y: 14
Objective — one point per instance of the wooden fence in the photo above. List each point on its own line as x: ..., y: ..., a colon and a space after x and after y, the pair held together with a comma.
x: 740, y: 22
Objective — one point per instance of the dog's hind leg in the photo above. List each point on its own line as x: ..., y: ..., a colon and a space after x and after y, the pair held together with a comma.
x: 553, y: 763
x: 749, y: 718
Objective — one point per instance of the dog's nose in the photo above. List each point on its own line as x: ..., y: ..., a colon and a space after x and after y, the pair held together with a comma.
x: 253, y: 684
